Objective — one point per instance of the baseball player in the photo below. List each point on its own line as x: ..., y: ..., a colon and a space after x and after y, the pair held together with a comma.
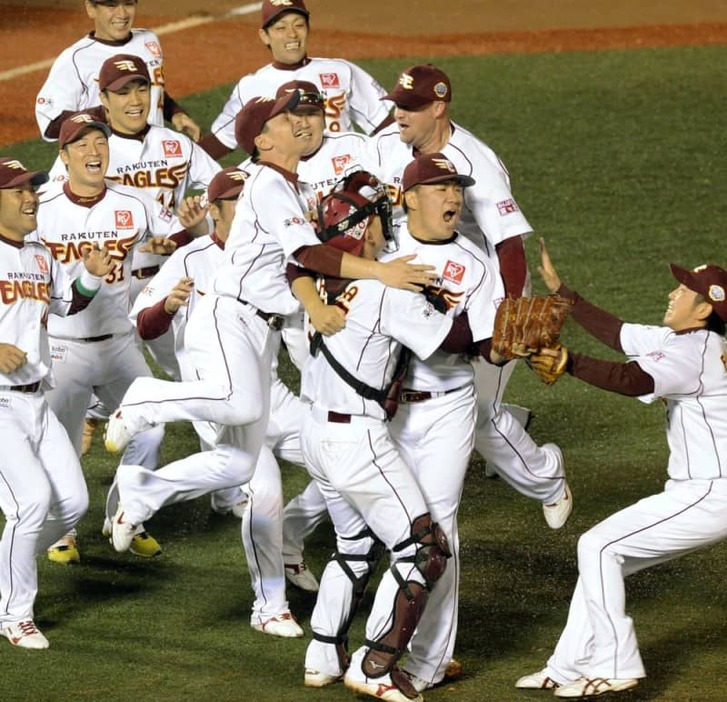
x: 95, y: 350
x: 351, y: 95
x: 492, y: 219
x: 683, y: 364
x: 72, y: 83
x: 42, y: 490
x: 232, y: 337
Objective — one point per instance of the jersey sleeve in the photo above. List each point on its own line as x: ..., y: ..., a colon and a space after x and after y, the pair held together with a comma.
x: 61, y: 295
x: 160, y: 285
x: 481, y: 304
x: 412, y: 321
x: 368, y: 110
x: 62, y: 90
x: 224, y: 125
x: 202, y: 168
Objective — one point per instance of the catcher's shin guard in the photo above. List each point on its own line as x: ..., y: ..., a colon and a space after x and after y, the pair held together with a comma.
x: 430, y: 560
x: 372, y: 559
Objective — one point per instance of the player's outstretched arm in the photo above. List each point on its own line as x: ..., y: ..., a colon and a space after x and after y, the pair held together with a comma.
x: 184, y: 123
x: 326, y: 319
x: 398, y: 273
x: 546, y: 269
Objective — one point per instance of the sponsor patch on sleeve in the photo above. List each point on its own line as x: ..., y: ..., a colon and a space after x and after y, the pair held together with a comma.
x: 506, y: 207
x: 294, y: 221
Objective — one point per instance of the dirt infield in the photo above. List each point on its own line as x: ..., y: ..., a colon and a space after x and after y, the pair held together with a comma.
x: 222, y: 49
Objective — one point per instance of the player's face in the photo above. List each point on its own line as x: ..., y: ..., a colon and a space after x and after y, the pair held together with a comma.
x: 87, y: 161
x: 417, y: 127
x: 223, y: 212
x: 283, y: 130
x: 128, y: 107
x: 309, y: 124
x: 287, y: 38
x: 113, y: 21
x: 18, y: 209
x: 375, y: 241
x: 686, y: 309
x: 435, y: 209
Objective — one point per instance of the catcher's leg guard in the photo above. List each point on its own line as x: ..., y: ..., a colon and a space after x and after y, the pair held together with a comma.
x: 371, y: 558
x: 430, y: 560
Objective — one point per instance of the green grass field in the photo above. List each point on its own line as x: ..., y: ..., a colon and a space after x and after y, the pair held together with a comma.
x: 618, y: 159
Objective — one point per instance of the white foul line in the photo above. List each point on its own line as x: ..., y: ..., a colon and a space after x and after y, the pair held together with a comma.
x: 170, y: 28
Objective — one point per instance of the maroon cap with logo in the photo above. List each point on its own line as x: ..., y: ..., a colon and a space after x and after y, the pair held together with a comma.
x: 14, y: 174
x: 272, y: 9
x: 709, y: 281
x: 121, y: 69
x: 428, y: 169
x: 227, y: 184
x: 310, y: 93
x: 77, y: 124
x: 251, y: 118
x: 420, y: 85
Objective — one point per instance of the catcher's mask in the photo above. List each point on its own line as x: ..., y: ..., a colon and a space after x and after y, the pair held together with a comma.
x: 345, y: 213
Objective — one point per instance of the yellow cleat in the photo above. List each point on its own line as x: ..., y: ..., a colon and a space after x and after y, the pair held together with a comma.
x: 145, y: 546
x: 64, y: 551
x: 89, y: 427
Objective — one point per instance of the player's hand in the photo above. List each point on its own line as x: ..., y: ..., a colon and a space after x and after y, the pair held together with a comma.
x: 399, y: 273
x: 98, y: 261
x: 11, y: 358
x: 328, y: 319
x: 179, y: 295
x: 185, y: 124
x: 159, y: 245
x: 546, y: 269
x: 191, y: 212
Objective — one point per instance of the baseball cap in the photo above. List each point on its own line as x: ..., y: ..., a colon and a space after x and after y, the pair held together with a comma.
x: 251, y: 118
x: 77, y: 124
x: 419, y: 85
x: 272, y: 9
x: 119, y: 70
x: 709, y: 281
x: 14, y: 174
x: 428, y: 169
x: 227, y: 184
x: 310, y: 94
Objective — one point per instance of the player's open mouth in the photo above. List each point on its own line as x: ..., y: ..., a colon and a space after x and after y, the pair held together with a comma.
x: 93, y: 166
x: 135, y: 113
x: 292, y: 46
x: 449, y: 215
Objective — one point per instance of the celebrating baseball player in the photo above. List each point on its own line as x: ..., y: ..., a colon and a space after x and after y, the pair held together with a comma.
x: 95, y: 350
x: 683, y: 364
x: 351, y: 95
x: 492, y: 219
x: 42, y: 490
x: 72, y: 83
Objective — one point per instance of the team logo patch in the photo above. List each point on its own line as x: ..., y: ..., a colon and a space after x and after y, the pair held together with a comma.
x: 42, y: 264
x: 172, y: 148
x: 656, y: 355
x: 45, y: 101
x: 154, y: 49
x: 507, y: 207
x: 444, y: 164
x: 166, y: 215
x: 716, y: 293
x: 340, y: 163
x: 454, y: 272
x: 281, y: 3
x: 293, y: 221
x: 330, y: 80
x: 124, y: 219
x: 406, y: 81
x: 440, y: 90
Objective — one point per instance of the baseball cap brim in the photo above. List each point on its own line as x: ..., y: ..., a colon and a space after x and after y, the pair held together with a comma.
x: 35, y: 178
x: 684, y: 276
x: 83, y: 128
x: 119, y: 83
x: 407, y: 100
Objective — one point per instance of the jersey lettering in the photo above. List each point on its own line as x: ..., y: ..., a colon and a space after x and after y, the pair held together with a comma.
x: 160, y: 178
x: 15, y: 290
x: 69, y: 253
x: 335, y: 106
x: 345, y: 299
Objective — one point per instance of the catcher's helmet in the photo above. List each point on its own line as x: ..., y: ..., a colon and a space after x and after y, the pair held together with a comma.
x: 346, y: 211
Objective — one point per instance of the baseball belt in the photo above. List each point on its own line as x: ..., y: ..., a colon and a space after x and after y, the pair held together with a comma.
x: 274, y: 321
x: 423, y: 395
x: 144, y: 273
x: 31, y: 388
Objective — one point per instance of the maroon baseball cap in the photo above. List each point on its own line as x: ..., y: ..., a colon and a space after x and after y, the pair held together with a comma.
x: 310, y: 93
x: 13, y: 174
x: 121, y: 69
x: 428, y: 169
x: 709, y: 281
x: 77, y: 124
x: 420, y: 85
x: 251, y: 118
x: 272, y: 9
x: 227, y: 184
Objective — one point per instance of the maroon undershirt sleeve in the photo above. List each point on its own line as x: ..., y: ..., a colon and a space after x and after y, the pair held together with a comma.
x: 153, y: 321
x: 623, y: 378
x: 320, y: 258
x: 459, y: 337
x: 513, y: 266
x: 79, y: 301
x: 214, y: 147
x: 171, y: 107
x: 603, y: 325
x: 181, y: 238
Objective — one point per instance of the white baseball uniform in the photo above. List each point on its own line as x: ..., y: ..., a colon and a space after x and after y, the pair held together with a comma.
x: 490, y: 216
x: 72, y: 83
x: 690, y: 377
x: 352, y: 95
x: 349, y: 452
x: 435, y: 425
x: 42, y: 490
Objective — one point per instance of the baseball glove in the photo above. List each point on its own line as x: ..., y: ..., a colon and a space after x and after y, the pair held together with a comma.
x: 524, y: 325
x: 549, y: 363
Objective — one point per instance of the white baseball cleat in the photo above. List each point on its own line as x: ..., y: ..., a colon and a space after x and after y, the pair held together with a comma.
x: 393, y: 687
x: 283, y: 625
x: 591, y: 687
x: 298, y: 574
x: 25, y: 635
x: 117, y: 435
x: 556, y: 515
x: 316, y: 678
x: 537, y: 681
x: 453, y: 671
x: 122, y: 531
